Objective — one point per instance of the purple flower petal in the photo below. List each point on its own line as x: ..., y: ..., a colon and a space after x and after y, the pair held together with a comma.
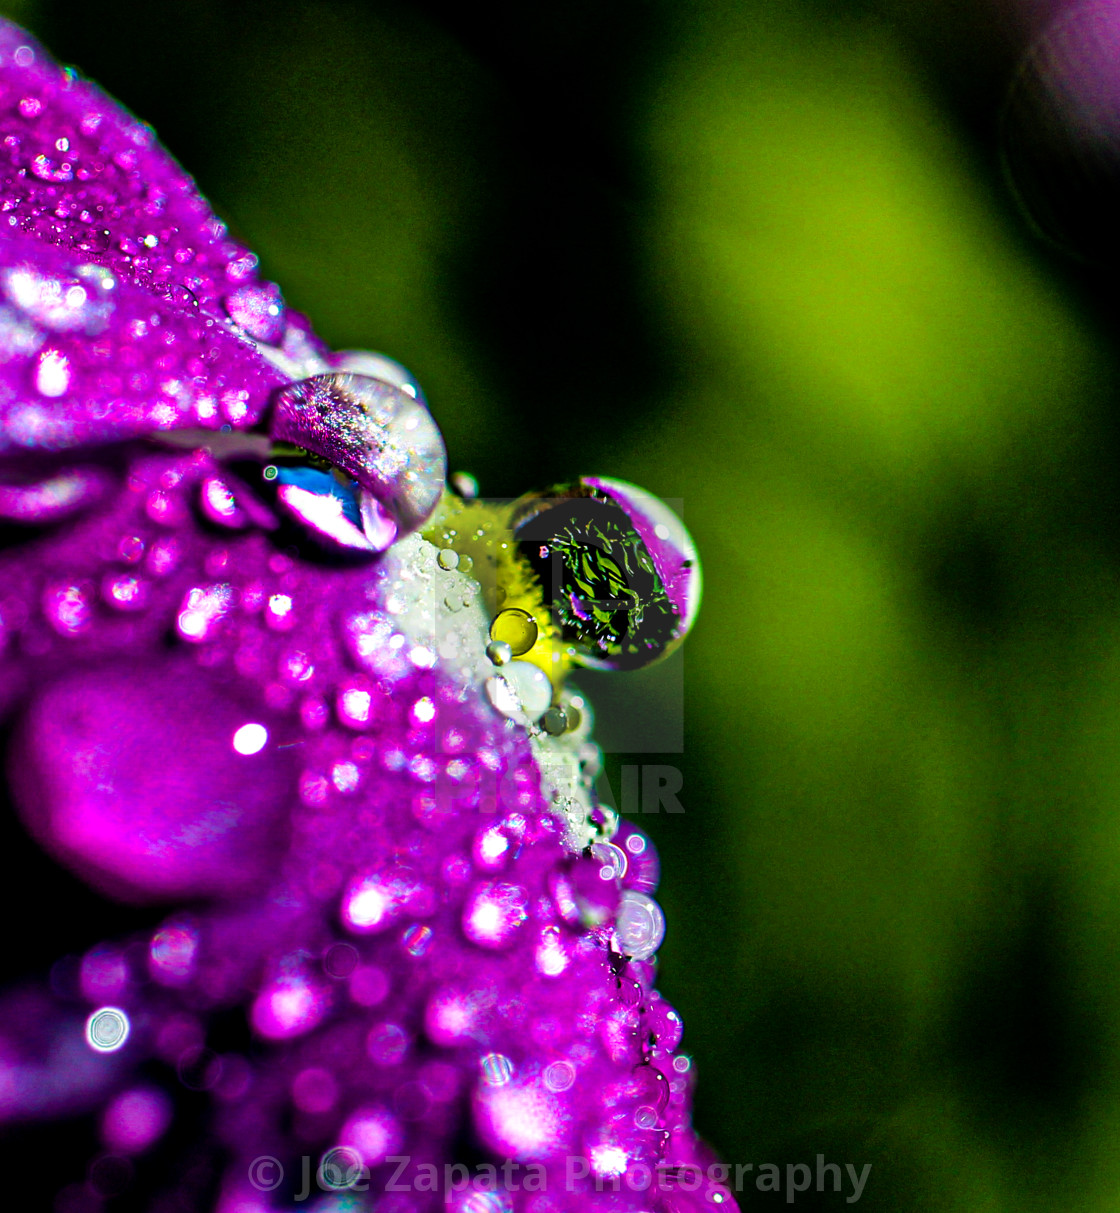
x: 381, y: 877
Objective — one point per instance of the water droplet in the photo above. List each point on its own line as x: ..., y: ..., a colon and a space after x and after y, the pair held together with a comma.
x: 447, y: 559
x: 520, y: 692
x: 465, y: 485
x: 125, y: 591
x: 135, y: 1120
x: 375, y: 432
x: 288, y: 1006
x: 620, y: 572
x: 107, y: 1029
x: 554, y: 721
x: 258, y: 309
x: 497, y: 650
x: 416, y: 939
x: 639, y: 925
x: 514, y: 627
x: 171, y: 954
x: 387, y: 1044
x: 67, y: 607
x: 54, y: 497
x: 646, y: 1117
x: 217, y: 503
x: 612, y: 860
x: 559, y: 1075
x: 202, y: 611
x: 497, y: 1069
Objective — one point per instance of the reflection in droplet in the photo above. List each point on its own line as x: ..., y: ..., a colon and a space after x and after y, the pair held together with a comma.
x: 374, y: 432
x: 516, y: 628
x: 328, y: 509
x: 619, y: 572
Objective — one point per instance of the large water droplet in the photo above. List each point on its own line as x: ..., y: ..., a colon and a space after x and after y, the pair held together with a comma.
x: 618, y: 569
x: 375, y: 432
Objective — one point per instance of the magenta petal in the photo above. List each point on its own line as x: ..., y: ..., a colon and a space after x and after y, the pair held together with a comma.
x: 84, y: 362
x: 78, y: 171
x: 185, y: 810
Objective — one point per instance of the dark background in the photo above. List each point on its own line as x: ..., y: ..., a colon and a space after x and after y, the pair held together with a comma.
x: 760, y: 258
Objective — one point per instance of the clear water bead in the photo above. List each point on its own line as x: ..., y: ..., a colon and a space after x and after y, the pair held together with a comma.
x: 520, y: 692
x: 373, y: 431
x: 639, y: 925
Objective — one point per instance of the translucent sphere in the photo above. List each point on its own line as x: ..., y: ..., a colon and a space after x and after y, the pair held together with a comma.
x: 619, y: 572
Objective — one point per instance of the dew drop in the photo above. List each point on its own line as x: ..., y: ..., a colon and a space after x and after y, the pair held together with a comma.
x: 520, y: 692
x: 515, y: 628
x: 52, y: 373
x: 497, y: 651
x: 107, y: 1030
x: 554, y: 722
x: 639, y: 925
x: 497, y: 1069
x: 559, y: 1075
x: 258, y: 309
x: 250, y: 738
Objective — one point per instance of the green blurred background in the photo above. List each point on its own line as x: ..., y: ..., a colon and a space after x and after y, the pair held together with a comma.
x: 759, y: 257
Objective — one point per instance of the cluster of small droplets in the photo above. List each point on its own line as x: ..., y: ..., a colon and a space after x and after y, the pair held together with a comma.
x: 435, y: 943
x: 405, y: 923
x: 82, y: 174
